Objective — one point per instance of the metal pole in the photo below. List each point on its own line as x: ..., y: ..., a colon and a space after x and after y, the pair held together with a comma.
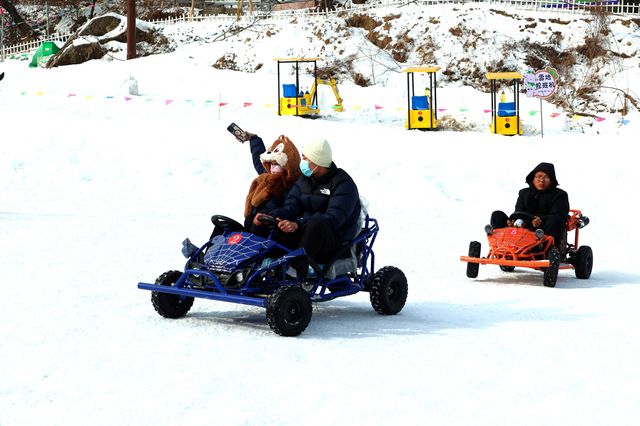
x: 131, y: 29
x: 408, y: 101
x: 434, y: 93
x: 541, y: 125
x: 279, y: 89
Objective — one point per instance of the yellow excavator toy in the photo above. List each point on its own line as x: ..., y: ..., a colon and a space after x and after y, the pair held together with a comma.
x: 292, y: 100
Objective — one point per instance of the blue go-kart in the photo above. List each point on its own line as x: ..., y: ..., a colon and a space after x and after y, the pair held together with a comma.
x: 241, y: 267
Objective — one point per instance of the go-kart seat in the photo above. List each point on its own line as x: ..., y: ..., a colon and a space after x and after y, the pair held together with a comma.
x: 346, y: 258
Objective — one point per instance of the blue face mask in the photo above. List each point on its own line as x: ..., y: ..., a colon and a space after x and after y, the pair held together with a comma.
x: 305, y: 168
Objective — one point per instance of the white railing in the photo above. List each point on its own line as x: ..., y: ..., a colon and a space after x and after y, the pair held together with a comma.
x: 560, y: 6
x: 30, y: 46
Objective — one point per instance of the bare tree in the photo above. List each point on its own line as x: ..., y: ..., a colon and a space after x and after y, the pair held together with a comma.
x: 13, y: 12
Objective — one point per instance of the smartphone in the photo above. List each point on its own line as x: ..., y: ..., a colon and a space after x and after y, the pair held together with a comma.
x: 236, y: 131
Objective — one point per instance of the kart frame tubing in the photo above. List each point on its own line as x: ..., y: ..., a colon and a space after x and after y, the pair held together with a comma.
x: 535, y: 264
x: 187, y: 292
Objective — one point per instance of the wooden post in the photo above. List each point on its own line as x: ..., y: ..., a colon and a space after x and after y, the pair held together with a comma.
x: 131, y: 29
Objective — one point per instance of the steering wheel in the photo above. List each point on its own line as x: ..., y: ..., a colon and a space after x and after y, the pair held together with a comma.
x: 226, y: 223
x: 268, y: 221
x: 525, y: 217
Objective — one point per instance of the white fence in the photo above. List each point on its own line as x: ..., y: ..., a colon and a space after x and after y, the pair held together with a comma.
x: 619, y: 7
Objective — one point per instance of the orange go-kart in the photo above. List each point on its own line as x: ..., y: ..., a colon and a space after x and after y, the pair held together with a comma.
x: 521, y: 246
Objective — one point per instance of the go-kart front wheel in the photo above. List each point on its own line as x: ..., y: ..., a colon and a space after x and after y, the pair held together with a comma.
x: 474, y: 251
x: 389, y: 291
x: 551, y: 273
x: 289, y: 310
x: 170, y: 305
x: 584, y: 262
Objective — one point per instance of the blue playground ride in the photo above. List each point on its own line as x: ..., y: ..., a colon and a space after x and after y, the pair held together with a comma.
x: 422, y: 108
x: 505, y: 116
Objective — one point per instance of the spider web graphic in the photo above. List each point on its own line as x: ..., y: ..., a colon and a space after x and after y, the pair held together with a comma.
x: 506, y: 240
x: 227, y: 252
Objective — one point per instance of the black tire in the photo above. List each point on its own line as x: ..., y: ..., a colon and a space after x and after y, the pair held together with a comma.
x: 389, y: 291
x: 289, y: 310
x: 551, y: 273
x: 170, y: 305
x: 474, y: 251
x: 507, y: 268
x: 584, y: 262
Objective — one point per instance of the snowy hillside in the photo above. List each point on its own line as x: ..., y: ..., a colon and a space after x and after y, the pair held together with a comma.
x: 596, y: 55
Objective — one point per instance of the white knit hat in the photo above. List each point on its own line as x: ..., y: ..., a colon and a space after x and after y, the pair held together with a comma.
x: 318, y: 152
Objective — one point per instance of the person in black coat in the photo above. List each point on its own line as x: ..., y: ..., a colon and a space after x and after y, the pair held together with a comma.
x: 322, y: 209
x: 548, y: 204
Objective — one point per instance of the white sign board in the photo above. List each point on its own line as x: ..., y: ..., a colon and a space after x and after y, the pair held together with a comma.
x: 541, y: 83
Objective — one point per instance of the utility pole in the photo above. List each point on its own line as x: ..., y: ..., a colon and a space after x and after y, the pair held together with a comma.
x: 131, y: 29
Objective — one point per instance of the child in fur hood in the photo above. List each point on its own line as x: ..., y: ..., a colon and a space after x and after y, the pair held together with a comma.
x: 278, y: 168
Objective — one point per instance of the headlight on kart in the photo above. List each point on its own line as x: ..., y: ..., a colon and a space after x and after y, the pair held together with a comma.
x: 239, y: 277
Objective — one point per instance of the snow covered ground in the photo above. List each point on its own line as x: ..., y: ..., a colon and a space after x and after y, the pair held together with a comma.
x: 99, y: 188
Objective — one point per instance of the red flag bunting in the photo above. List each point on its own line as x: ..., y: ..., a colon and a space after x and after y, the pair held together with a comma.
x: 599, y: 119
x: 168, y: 101
x: 555, y: 114
x: 246, y: 104
x: 487, y: 110
x: 378, y: 107
x: 222, y: 104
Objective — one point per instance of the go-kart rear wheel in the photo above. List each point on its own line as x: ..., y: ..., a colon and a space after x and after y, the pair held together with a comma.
x: 289, y: 310
x: 389, y: 291
x: 474, y: 251
x: 584, y: 262
x: 505, y: 268
x: 551, y: 273
x: 170, y: 305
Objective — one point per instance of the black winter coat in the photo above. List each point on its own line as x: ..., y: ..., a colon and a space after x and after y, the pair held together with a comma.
x: 554, y: 202
x: 334, y: 197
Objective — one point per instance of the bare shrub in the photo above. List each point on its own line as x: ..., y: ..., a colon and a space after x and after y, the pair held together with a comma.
x: 226, y: 62
x: 365, y: 22
x: 457, y: 31
x: 426, y: 51
x: 541, y: 55
x: 360, y: 80
x: 592, y: 48
x: 501, y: 12
x: 380, y: 40
x: 555, y: 38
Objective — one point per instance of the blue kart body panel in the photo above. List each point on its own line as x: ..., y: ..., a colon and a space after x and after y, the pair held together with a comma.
x: 240, y: 267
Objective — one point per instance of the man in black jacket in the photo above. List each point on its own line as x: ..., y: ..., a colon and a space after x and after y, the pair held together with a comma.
x: 321, y: 210
x: 548, y: 204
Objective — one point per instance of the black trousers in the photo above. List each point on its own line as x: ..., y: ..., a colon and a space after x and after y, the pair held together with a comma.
x: 550, y: 225
x: 318, y: 239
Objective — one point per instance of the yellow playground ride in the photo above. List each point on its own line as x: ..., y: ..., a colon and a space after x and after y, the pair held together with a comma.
x: 422, y: 109
x: 505, y: 119
x: 293, y: 100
